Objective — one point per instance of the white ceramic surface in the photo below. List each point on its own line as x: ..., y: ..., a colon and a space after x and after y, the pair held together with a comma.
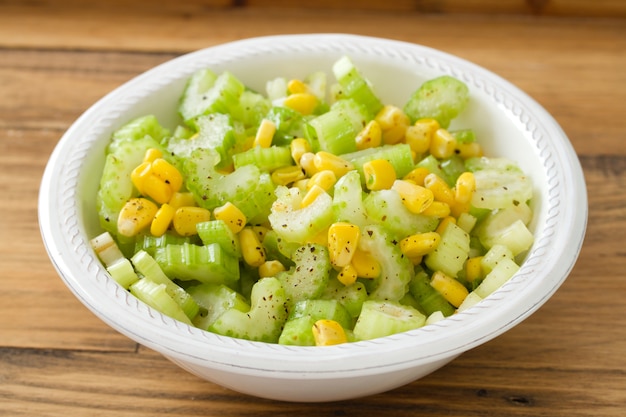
x: 508, y: 122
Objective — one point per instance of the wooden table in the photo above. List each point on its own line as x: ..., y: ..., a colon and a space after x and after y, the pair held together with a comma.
x: 57, y: 359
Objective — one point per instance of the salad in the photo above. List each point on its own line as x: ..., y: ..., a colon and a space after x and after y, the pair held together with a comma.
x: 311, y: 213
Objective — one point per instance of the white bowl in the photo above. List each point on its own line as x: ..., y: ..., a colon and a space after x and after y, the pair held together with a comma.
x: 508, y: 122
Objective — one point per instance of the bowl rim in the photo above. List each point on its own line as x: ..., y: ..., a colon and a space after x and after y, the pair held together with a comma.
x: 67, y: 245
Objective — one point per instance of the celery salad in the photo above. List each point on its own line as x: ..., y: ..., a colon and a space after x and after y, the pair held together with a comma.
x: 311, y: 213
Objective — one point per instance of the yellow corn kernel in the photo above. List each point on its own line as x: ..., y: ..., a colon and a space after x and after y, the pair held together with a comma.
x: 468, y: 150
x: 325, y: 160
x: 415, y: 260
x: 437, y: 209
x: 167, y: 173
x: 348, y: 275
x: 136, y: 215
x: 162, y: 220
x: 464, y: 187
x: 251, y: 248
x: 459, y: 208
x: 417, y: 175
x: 270, y: 269
x: 304, y: 103
x: 302, y: 184
x: 307, y: 162
x: 184, y: 199
x: 296, y: 86
x: 444, y: 222
x: 320, y: 238
x: 298, y: 147
x: 441, y: 191
x: 156, y: 189
x: 365, y: 264
x: 370, y: 136
x: 343, y: 240
x: 152, y: 154
x: 420, y: 244
x: 414, y: 197
x: 139, y: 175
x: 186, y: 218
x: 379, y: 174
x: 325, y: 179
x: 287, y: 175
x: 328, y: 332
x: 420, y: 134
x: 310, y: 196
x: 264, y: 134
x: 442, y: 145
x: 393, y: 123
x: 231, y: 215
x: 473, y: 269
x: 451, y: 289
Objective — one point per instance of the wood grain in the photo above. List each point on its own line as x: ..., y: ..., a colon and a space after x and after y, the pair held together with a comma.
x: 57, y: 359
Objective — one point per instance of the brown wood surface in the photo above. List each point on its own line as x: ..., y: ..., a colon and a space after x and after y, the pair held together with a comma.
x: 57, y: 359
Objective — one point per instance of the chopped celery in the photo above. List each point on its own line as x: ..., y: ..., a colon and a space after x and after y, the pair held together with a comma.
x: 441, y: 98
x: 355, y: 86
x: 451, y: 253
x: 213, y: 300
x: 266, y: 159
x: 288, y: 122
x: 265, y: 319
x: 156, y: 296
x: 277, y: 248
x: 151, y: 243
x: 351, y: 296
x: 429, y: 299
x: 217, y: 231
x: 399, y: 156
x: 501, y: 273
x: 348, y: 200
x: 298, y: 328
x: 335, y: 131
x: 496, y: 189
x: 384, y: 318
x: 137, y: 129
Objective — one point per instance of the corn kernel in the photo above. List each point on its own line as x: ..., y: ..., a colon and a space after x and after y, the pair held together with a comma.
x: 162, y: 220
x: 231, y: 215
x: 311, y: 195
x: 464, y: 187
x: 157, y: 189
x: 459, y: 208
x: 139, y: 174
x: 327, y: 161
x: 393, y: 123
x: 420, y: 134
x: 451, y: 289
x: 304, y: 103
x: 251, y: 249
x: 270, y: 268
x: 417, y: 175
x: 343, y: 240
x: 136, y: 215
x: 287, y: 175
x: 440, y: 188
x: 302, y: 185
x: 296, y: 86
x: 370, y: 136
x: 437, y: 209
x: 320, y: 238
x: 152, y: 154
x: 473, y: 269
x: 182, y: 199
x: 420, y: 244
x: 443, y: 223
x: 298, y: 147
x: 325, y: 179
x: 379, y: 174
x: 265, y: 134
x: 366, y: 266
x: 442, y: 145
x: 167, y: 173
x: 414, y: 197
x: 307, y: 162
x: 348, y: 275
x: 468, y: 150
x: 186, y: 218
x: 328, y: 332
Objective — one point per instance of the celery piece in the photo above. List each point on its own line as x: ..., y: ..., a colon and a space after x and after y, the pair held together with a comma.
x: 464, y: 135
x: 335, y: 131
x: 507, y: 227
x: 471, y: 300
x: 151, y: 243
x: 309, y: 276
x: 396, y: 269
x: 501, y: 273
x: 348, y: 200
x: 442, y: 98
x: 156, y: 296
x: 429, y: 299
x: 493, y: 256
x: 278, y: 249
x: 451, y: 253
x: 298, y: 328
x: 148, y: 267
x: 277, y: 88
x: 123, y: 273
x: 266, y: 159
x: 496, y: 189
x: 288, y: 122
x: 217, y: 231
x: 215, y: 299
x: 452, y: 168
x: 480, y: 163
x: 248, y: 276
x: 205, y: 93
x: 137, y: 129
x: 251, y: 108
x: 295, y: 224
x: 384, y: 318
x: 355, y: 86
x: 265, y: 319
x: 385, y: 208
x: 433, y: 165
x: 399, y: 156
x: 116, y: 187
x: 247, y: 187
x: 351, y: 296
x: 208, y: 263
